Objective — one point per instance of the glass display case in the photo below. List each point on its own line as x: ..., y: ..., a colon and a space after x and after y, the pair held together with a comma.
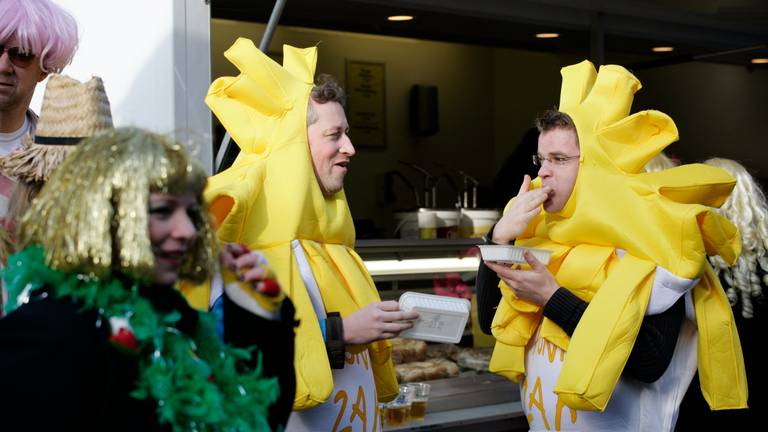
x: 470, y: 397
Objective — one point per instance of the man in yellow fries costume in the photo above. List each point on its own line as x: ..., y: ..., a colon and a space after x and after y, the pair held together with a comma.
x: 284, y: 196
x: 628, y: 247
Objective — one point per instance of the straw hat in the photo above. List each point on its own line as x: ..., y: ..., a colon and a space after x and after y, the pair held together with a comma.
x: 71, y: 112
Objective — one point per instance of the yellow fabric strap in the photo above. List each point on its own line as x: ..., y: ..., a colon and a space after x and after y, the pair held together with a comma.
x: 508, y: 361
x: 603, y: 340
x: 722, y: 375
x: 340, y: 274
x: 340, y: 263
x: 314, y: 379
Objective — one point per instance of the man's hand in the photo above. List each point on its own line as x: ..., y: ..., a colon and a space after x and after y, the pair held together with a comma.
x: 525, y: 207
x: 535, y: 286
x: 383, y: 320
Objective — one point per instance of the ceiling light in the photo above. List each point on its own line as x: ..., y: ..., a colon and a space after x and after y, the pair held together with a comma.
x: 759, y: 60
x: 400, y: 17
x: 663, y: 49
x: 547, y: 35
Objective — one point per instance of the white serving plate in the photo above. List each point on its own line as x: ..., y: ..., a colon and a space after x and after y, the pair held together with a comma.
x: 441, y: 319
x: 512, y: 254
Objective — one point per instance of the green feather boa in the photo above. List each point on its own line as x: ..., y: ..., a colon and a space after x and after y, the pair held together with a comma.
x: 199, y: 383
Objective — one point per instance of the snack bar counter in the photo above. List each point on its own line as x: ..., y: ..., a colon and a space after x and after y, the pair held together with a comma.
x: 452, y: 379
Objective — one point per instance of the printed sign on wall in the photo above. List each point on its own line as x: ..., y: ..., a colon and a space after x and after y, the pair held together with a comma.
x: 366, y: 108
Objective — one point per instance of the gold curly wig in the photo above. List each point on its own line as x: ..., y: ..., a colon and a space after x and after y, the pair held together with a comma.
x: 91, y: 216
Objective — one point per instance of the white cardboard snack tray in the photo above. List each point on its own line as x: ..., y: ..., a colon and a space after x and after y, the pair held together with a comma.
x: 512, y: 254
x: 441, y: 319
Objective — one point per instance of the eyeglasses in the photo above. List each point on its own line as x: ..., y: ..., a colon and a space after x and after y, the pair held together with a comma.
x: 17, y: 56
x: 557, y: 160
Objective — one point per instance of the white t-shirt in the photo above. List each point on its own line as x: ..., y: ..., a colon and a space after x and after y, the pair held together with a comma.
x: 634, y: 406
x: 353, y: 404
x: 10, y: 142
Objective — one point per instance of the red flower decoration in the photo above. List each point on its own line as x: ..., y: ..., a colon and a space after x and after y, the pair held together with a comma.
x: 125, y: 338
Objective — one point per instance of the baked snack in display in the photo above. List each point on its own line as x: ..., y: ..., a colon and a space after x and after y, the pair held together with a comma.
x: 445, y: 351
x: 418, y: 361
x: 408, y: 350
x: 473, y: 359
x: 426, y: 370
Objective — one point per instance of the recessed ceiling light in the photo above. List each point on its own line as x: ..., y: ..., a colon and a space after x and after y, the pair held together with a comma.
x: 547, y: 35
x: 663, y: 49
x: 759, y: 60
x: 400, y: 17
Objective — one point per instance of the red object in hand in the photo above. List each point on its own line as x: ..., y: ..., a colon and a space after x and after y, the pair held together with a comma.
x: 270, y: 288
x: 125, y: 338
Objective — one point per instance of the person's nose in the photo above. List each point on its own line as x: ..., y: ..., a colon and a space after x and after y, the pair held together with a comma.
x: 184, y: 228
x: 544, y: 169
x: 346, y: 146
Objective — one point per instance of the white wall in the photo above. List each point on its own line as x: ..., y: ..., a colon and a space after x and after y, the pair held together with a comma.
x: 154, y: 58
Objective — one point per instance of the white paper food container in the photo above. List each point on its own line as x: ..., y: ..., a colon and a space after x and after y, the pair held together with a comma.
x: 441, y: 319
x: 512, y: 254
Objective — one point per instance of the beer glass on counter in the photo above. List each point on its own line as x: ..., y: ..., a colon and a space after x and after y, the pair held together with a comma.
x: 419, y: 395
x: 398, y: 412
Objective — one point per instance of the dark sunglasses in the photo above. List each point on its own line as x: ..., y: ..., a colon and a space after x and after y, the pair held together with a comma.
x: 17, y: 56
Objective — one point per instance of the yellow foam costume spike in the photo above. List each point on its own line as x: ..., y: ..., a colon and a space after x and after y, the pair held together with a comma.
x: 270, y: 197
x: 659, y: 219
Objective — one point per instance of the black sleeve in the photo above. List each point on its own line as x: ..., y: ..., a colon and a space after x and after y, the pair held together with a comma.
x: 275, y: 341
x: 565, y: 309
x: 50, y: 369
x: 488, y: 296
x: 655, y: 341
x: 487, y: 291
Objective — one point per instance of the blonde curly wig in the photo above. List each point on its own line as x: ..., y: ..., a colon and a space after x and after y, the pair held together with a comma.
x: 748, y: 210
x: 91, y: 216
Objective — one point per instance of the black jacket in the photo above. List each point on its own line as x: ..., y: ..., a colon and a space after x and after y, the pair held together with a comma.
x: 58, y: 371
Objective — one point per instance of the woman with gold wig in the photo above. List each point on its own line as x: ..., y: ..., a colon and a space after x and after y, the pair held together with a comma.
x: 97, y: 337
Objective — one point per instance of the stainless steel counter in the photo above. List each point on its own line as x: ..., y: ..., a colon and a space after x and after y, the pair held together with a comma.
x: 456, y: 403
x: 490, y: 418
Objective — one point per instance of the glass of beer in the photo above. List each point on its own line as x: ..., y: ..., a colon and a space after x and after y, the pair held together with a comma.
x: 427, y: 224
x: 383, y: 414
x: 419, y: 397
x: 399, y: 410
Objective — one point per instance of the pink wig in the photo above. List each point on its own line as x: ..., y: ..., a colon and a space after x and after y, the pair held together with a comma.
x: 42, y: 28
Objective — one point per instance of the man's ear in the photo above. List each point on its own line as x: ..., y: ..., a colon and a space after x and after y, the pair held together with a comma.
x: 43, y: 75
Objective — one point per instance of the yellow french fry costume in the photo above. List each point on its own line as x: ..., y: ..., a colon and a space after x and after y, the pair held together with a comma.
x: 660, y: 219
x: 270, y: 197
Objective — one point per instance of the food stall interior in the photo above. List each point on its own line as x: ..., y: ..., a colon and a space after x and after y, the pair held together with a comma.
x: 460, y: 85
